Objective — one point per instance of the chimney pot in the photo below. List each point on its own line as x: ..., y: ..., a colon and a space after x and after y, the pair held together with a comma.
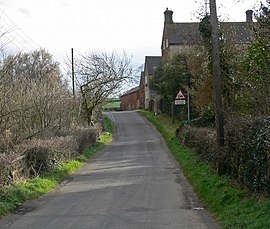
x: 249, y: 16
x: 168, y: 18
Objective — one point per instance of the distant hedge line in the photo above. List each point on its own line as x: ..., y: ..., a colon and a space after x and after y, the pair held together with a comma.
x: 246, y: 154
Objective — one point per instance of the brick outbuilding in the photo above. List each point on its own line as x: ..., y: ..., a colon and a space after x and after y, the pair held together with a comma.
x: 131, y: 100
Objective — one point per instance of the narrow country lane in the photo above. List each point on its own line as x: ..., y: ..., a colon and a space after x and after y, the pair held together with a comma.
x: 133, y: 183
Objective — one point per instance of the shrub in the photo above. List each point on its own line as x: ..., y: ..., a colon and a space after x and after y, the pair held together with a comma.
x: 35, y: 157
x: 39, y: 160
x: 43, y: 155
x: 248, y: 152
x: 5, y: 170
x: 85, y: 137
x: 202, y: 140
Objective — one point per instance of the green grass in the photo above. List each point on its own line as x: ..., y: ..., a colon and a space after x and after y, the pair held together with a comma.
x: 231, y: 205
x: 13, y: 196
x: 113, y: 104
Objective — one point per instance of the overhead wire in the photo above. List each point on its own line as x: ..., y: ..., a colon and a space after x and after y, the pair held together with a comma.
x: 13, y: 35
x: 15, y: 29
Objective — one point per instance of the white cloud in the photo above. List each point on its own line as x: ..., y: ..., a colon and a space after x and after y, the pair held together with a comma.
x: 24, y: 11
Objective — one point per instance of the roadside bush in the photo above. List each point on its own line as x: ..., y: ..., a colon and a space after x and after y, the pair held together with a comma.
x: 85, y: 137
x: 97, y: 121
x: 40, y: 160
x: 6, y: 142
x: 248, y: 152
x: 36, y: 157
x: 5, y: 170
x: 43, y: 155
x: 12, y: 168
x: 202, y: 140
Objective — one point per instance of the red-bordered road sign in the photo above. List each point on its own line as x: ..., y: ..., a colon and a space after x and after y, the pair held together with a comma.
x: 180, y: 95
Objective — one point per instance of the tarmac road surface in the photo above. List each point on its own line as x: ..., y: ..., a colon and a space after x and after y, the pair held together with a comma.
x: 133, y: 183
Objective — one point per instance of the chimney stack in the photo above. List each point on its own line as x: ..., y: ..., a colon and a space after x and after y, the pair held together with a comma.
x: 249, y: 16
x: 168, y: 18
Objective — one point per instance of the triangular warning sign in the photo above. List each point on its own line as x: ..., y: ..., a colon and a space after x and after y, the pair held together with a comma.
x: 180, y: 95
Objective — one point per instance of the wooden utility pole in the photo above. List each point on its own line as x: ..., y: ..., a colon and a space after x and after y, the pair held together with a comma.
x: 206, y: 7
x: 73, y: 74
x: 217, y: 85
x: 217, y: 74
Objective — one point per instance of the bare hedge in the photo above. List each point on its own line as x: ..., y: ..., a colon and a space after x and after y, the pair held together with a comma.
x: 36, y: 157
x: 85, y: 137
x: 43, y: 155
x: 5, y: 175
x: 202, y: 140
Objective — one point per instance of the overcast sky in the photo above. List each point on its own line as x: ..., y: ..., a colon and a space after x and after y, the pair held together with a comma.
x: 135, y: 26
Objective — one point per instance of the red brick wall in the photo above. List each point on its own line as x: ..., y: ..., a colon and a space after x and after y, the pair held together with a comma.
x: 130, y: 101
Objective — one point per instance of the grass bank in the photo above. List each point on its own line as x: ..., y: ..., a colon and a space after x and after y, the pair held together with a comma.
x: 112, y: 104
x: 229, y: 203
x: 13, y: 196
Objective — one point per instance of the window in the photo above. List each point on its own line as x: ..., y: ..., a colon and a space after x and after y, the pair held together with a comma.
x: 167, y: 43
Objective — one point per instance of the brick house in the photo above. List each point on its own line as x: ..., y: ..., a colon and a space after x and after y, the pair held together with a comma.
x: 143, y: 96
x: 150, y: 65
x: 177, y: 36
x: 142, y: 91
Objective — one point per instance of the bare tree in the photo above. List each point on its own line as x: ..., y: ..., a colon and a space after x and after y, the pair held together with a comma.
x: 33, y: 98
x: 100, y: 75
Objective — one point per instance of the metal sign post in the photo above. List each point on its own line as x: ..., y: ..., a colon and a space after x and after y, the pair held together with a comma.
x: 188, y: 102
x: 180, y: 99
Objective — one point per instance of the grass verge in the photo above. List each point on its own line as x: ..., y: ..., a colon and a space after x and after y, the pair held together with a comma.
x: 13, y: 196
x: 231, y: 205
x: 113, y: 104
